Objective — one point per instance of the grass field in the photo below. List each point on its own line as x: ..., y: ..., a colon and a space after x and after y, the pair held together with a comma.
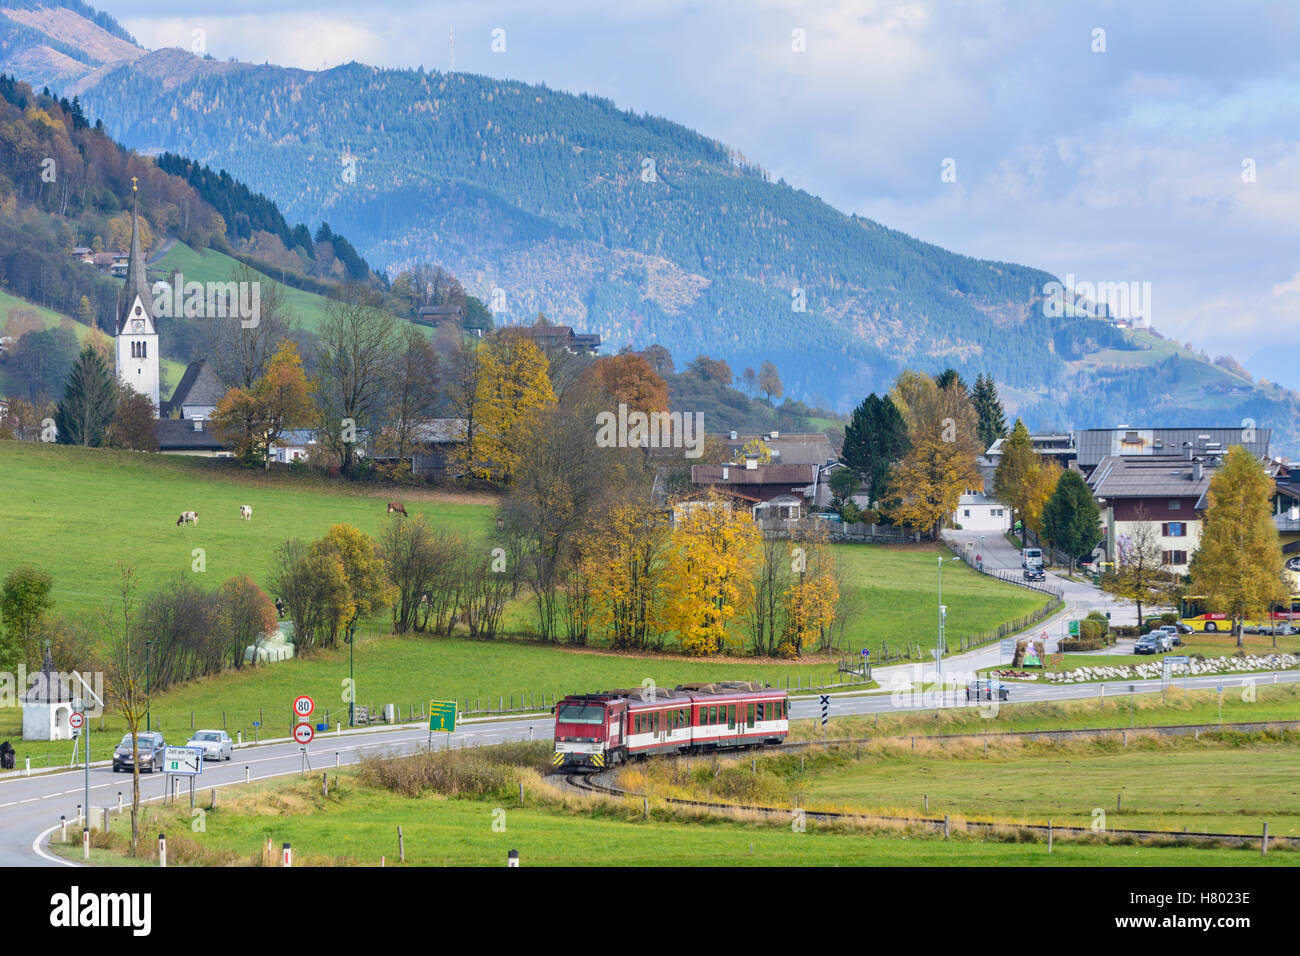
x: 357, y: 824
x: 1205, y: 786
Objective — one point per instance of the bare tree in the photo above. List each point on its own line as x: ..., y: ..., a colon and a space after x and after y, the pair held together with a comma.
x: 240, y: 352
x: 126, y: 681
x: 354, y: 361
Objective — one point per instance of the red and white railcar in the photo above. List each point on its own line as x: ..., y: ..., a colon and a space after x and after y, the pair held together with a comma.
x: 594, y: 731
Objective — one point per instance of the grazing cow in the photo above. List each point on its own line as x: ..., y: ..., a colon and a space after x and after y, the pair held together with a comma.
x: 246, y: 512
x: 398, y: 507
x: 188, y: 517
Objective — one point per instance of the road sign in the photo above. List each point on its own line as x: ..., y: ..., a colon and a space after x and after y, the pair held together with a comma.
x: 75, y: 721
x: 442, y: 715
x: 1008, y: 647
x: 866, y: 652
x: 303, y: 733
x: 1074, y: 628
x: 826, y: 708
x: 183, y: 761
x: 303, y: 706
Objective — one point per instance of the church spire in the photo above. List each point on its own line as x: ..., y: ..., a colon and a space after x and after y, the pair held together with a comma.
x: 137, y: 282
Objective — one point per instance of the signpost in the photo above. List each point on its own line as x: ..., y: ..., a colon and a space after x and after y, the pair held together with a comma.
x: 303, y: 733
x: 826, y: 711
x: 303, y: 706
x: 182, y: 762
x: 1074, y: 628
x: 442, y: 718
x: 75, y: 721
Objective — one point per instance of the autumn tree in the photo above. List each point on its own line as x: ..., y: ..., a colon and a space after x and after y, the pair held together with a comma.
x: 628, y: 378
x: 940, y: 465
x: 252, y: 421
x: 248, y: 615
x: 624, y: 562
x: 1238, y: 566
x: 413, y: 392
x: 133, y: 426
x: 25, y: 599
x: 1015, y: 477
x: 126, y: 680
x: 769, y: 382
x: 710, y: 566
x: 368, y: 587
x: 812, y: 600
x: 710, y: 370
x: 240, y: 351
x: 759, y: 449
x: 312, y: 583
x: 514, y: 393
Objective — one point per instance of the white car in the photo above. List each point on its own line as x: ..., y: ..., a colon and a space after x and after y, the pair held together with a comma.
x: 215, y: 744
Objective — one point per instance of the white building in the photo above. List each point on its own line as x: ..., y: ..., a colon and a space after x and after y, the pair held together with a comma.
x: 137, y: 333
x: 976, y: 511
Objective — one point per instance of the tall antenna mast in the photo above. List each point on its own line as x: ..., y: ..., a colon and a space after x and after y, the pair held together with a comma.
x: 451, y: 42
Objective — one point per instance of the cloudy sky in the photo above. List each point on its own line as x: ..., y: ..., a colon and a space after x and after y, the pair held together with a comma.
x: 1117, y: 142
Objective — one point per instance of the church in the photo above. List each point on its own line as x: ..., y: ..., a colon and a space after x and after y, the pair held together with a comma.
x: 138, y: 364
x: 137, y: 331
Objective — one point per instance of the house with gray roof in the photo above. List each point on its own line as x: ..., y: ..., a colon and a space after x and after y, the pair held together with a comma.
x: 197, y: 393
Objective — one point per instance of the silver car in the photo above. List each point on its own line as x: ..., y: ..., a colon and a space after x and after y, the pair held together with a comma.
x: 215, y: 744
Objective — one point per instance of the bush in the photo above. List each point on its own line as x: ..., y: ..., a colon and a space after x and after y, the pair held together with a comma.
x: 1069, y: 645
x: 1126, y: 630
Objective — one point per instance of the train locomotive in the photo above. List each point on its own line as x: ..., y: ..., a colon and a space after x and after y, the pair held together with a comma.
x: 596, y: 731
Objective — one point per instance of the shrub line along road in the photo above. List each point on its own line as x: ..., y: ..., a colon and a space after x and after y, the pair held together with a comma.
x: 30, y: 806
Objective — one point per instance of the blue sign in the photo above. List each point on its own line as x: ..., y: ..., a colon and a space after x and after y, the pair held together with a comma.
x: 866, y: 652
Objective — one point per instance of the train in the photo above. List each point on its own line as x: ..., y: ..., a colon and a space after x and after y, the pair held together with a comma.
x: 596, y: 731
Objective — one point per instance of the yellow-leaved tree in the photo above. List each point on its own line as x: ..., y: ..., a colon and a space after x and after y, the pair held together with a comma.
x: 812, y: 600
x: 624, y: 564
x: 1238, y: 566
x: 513, y: 391
x: 714, y: 549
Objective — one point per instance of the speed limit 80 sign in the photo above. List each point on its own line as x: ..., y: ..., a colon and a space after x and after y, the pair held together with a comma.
x: 303, y: 706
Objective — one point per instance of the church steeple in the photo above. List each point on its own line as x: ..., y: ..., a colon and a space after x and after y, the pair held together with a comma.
x: 137, y: 282
x: 137, y: 332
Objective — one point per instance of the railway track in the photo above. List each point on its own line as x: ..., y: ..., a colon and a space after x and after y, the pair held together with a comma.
x: 602, y: 783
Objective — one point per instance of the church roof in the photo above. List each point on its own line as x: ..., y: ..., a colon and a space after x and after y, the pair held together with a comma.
x: 198, y: 386
x: 137, y: 282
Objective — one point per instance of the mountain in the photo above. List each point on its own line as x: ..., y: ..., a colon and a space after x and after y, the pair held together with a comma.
x: 631, y: 226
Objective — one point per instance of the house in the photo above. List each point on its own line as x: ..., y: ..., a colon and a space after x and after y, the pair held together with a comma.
x: 782, y: 492
x: 197, y: 394
x: 787, y: 449
x: 1167, y: 492
x: 437, y: 314
x: 1055, y: 446
x: 548, y: 337
x: 1286, y: 516
x: 977, y: 511
x: 430, y: 450
x: 195, y: 437
x: 701, y: 499
x: 296, y: 444
x: 1095, y: 444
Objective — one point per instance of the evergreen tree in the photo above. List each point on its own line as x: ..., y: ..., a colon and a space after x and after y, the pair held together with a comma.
x: 874, y: 439
x: 1071, y: 518
x: 89, y: 401
x: 993, y: 424
x: 950, y: 376
x: 1014, y: 479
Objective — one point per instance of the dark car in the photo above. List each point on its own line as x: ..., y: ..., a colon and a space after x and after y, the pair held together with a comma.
x: 987, y: 690
x: 151, y: 746
x: 1035, y: 574
x: 1149, y: 644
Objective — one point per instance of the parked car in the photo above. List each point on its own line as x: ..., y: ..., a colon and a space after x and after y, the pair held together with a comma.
x: 987, y: 690
x: 215, y: 744
x: 1175, y: 639
x: 151, y: 746
x: 1149, y: 644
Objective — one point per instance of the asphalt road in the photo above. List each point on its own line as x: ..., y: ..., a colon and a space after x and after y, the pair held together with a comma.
x: 30, y: 807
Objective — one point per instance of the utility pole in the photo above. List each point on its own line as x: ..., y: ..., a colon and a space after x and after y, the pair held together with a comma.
x: 85, y: 723
x: 352, y: 683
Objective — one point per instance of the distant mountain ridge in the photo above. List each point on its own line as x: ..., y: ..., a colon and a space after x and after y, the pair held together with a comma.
x: 634, y: 227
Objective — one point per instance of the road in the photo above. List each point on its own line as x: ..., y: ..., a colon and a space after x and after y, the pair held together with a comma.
x: 30, y: 806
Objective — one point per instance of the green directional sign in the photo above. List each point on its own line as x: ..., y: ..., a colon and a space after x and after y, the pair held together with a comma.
x: 442, y: 715
x: 1074, y: 628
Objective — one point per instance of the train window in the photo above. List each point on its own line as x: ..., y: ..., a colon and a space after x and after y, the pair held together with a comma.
x: 760, y: 710
x: 713, y: 715
x: 749, y: 715
x: 731, y: 715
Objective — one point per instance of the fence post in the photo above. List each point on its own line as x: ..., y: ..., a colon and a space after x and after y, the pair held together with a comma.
x: 162, y: 849
x: 401, y: 845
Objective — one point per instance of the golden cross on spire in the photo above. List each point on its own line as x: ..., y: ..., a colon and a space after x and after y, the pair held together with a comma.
x: 134, y: 180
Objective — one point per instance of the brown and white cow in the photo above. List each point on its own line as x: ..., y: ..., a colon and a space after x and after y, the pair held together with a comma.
x: 398, y: 507
x: 188, y: 517
x: 246, y: 512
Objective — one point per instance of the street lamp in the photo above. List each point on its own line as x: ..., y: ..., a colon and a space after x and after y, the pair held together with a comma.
x: 943, y: 614
x: 352, y: 684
